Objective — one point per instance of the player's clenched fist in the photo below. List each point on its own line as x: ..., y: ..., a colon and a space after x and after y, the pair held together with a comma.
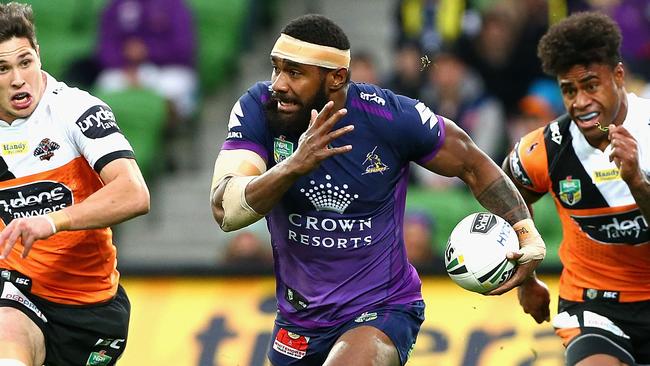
x: 625, y: 153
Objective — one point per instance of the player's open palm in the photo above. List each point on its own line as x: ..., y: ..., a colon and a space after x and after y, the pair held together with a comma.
x: 534, y: 298
x: 314, y: 143
x: 27, y: 231
x: 625, y: 153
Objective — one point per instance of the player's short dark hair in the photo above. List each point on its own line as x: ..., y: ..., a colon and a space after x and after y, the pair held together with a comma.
x: 581, y: 39
x: 317, y: 29
x: 17, y: 20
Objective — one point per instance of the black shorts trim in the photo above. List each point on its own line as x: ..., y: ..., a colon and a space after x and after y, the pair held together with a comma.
x: 589, y: 344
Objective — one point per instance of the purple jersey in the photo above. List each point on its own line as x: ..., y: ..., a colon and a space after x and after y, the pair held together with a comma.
x: 337, y: 232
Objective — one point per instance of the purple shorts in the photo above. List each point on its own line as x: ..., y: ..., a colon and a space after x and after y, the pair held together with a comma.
x: 296, y: 346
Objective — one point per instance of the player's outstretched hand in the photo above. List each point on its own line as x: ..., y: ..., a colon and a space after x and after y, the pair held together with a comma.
x: 314, y: 143
x: 534, y: 298
x: 28, y: 230
x: 625, y: 153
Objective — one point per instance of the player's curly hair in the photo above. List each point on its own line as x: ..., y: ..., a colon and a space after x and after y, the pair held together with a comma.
x: 17, y: 20
x: 317, y: 29
x: 581, y: 39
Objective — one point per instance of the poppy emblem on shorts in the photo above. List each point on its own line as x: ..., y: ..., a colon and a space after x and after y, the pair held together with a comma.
x: 45, y: 149
x: 98, y: 359
x: 291, y: 344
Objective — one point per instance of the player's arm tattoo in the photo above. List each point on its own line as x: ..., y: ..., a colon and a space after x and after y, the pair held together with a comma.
x: 502, y: 198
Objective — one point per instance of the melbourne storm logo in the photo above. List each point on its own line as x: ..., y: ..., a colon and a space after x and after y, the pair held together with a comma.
x: 33, y: 199
x: 374, y: 163
x: 45, y: 149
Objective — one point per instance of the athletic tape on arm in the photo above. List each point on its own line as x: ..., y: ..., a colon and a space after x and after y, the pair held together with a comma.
x: 531, y: 243
x: 241, y: 166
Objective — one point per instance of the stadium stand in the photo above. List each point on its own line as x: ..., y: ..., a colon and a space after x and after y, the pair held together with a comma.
x: 220, y: 26
x: 66, y: 30
x: 140, y: 114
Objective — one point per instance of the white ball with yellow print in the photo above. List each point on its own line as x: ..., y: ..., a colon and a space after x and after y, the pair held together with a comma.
x: 475, y: 256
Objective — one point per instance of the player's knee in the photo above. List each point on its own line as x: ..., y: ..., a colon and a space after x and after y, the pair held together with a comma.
x: 20, y: 339
x: 598, y: 360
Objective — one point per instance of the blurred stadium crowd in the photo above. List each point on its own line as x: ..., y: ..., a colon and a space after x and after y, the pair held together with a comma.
x: 160, y: 63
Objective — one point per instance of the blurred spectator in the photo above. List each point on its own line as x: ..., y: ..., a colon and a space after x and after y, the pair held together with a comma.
x: 542, y: 104
x: 430, y: 23
x: 406, y: 77
x: 504, y: 50
x: 247, y: 249
x: 363, y: 68
x: 150, y: 44
x: 419, y: 231
x: 633, y: 17
x: 457, y: 92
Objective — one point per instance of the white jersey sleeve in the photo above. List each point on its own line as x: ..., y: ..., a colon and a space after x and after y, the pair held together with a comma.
x: 91, y: 126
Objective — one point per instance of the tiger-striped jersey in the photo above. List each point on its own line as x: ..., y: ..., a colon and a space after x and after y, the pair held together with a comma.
x: 606, y: 241
x: 49, y: 161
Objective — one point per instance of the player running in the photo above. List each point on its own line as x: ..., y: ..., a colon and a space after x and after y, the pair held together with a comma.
x: 594, y: 161
x: 66, y: 174
x: 332, y: 186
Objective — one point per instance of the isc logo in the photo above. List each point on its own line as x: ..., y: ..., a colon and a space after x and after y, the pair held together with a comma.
x: 22, y: 281
x: 113, y: 343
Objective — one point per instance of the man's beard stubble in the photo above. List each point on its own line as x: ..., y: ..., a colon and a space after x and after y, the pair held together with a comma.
x: 295, y: 124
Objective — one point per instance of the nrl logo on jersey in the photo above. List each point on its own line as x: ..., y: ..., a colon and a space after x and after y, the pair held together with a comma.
x: 45, y: 149
x: 282, y: 149
x: 570, y: 191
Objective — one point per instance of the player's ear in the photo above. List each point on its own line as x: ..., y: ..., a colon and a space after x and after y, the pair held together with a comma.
x: 337, y: 78
x: 619, y: 74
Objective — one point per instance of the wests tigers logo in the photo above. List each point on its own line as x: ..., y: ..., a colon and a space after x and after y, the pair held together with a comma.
x: 45, y: 149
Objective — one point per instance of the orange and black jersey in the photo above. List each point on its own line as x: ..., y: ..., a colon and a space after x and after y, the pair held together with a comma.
x: 606, y: 240
x: 48, y: 162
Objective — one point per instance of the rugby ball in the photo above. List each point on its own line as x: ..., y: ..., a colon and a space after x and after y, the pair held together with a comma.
x: 475, y: 256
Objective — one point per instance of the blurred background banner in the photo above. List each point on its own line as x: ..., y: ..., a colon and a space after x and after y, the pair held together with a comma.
x: 227, y: 322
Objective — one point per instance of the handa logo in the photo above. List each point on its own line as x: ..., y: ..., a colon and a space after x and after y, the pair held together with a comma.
x: 33, y: 199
